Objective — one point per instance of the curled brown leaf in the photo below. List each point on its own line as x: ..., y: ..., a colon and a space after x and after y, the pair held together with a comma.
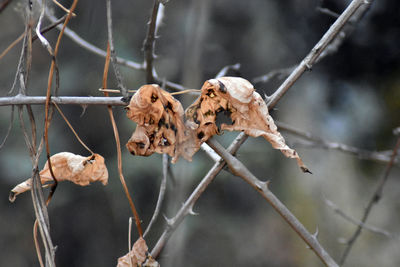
x: 160, y: 127
x: 231, y: 103
x: 68, y: 167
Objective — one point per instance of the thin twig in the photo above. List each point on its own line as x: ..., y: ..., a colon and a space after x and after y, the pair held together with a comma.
x: 148, y: 45
x: 261, y: 187
x: 279, y: 73
x: 36, y: 241
x: 9, y: 128
x: 13, y: 44
x: 357, y: 222
x: 4, y: 4
x: 53, y: 68
x: 35, y: 37
x: 376, y: 196
x: 161, y: 194
x: 311, y: 58
x: 118, y: 147
x: 117, y: 72
x: 226, y: 69
x: 124, y: 62
x: 187, y: 207
x: 72, y: 129
x: 90, y: 47
x: 62, y: 100
x: 315, y: 141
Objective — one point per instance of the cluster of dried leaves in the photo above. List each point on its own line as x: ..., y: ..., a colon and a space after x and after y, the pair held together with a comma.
x: 226, y: 103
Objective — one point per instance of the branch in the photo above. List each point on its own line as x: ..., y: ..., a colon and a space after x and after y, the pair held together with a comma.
x: 90, y: 47
x: 261, y: 187
x: 148, y: 45
x: 163, y: 187
x: 376, y: 196
x: 357, y: 222
x: 117, y: 72
x: 61, y: 100
x: 312, y: 57
x: 187, y: 207
x: 379, y: 156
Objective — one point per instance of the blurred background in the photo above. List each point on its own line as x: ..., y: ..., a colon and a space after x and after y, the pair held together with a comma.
x: 350, y: 97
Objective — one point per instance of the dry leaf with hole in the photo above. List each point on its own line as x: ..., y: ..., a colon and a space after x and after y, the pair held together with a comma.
x: 231, y: 103
x: 68, y: 167
x: 160, y: 127
x: 138, y: 256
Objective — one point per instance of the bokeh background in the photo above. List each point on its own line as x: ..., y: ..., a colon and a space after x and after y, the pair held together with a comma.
x: 350, y: 97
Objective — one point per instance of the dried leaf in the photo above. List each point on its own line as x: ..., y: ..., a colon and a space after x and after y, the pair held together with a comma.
x: 160, y: 127
x: 231, y: 103
x: 67, y: 166
x: 138, y: 256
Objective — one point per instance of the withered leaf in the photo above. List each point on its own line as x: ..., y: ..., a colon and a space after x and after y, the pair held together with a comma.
x: 138, y: 256
x: 68, y: 167
x: 160, y: 127
x: 231, y: 103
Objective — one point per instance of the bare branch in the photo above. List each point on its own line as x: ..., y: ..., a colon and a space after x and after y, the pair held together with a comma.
x: 357, y: 222
x: 62, y: 100
x: 90, y: 47
x: 9, y: 128
x: 161, y: 194
x: 226, y: 69
x: 314, y: 141
x: 4, y: 4
x: 117, y: 72
x: 312, y: 57
x: 376, y: 196
x: 261, y: 187
x: 279, y: 73
x: 148, y: 45
x: 187, y: 207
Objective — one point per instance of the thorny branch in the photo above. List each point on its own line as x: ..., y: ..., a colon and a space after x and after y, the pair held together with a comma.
x: 187, y: 207
x: 332, y: 46
x: 36, y: 192
x: 261, y: 187
x: 312, y: 57
x: 117, y: 72
x: 163, y: 187
x: 376, y: 196
x: 148, y: 45
x: 124, y: 62
x: 314, y: 141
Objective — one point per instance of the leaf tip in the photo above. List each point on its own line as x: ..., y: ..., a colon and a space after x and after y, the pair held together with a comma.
x: 12, y: 196
x: 305, y: 169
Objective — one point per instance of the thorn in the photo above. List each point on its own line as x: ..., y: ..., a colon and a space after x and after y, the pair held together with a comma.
x: 315, y: 235
x: 170, y: 222
x: 191, y: 212
x: 262, y: 186
x: 84, y: 107
x: 267, y: 98
x: 308, y: 66
x: 12, y: 196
